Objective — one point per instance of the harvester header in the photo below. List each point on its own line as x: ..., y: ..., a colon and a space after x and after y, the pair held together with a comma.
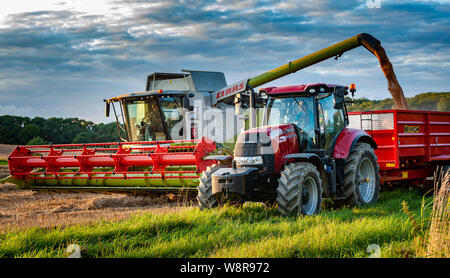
x: 134, y: 166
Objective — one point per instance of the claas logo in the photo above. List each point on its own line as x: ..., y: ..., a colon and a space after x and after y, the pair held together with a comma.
x: 230, y: 90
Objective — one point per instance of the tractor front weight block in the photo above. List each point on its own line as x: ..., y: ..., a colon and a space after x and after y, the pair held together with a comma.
x: 231, y: 181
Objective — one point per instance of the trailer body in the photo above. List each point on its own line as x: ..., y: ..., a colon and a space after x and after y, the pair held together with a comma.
x: 410, y: 143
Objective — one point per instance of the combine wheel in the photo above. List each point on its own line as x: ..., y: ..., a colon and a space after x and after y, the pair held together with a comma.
x: 204, y: 197
x: 362, y: 178
x: 299, y: 189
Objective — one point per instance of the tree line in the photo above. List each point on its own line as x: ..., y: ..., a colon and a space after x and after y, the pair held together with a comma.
x: 38, y: 131
x: 424, y: 101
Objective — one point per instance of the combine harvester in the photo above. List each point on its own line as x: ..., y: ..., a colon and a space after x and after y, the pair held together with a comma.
x: 165, y: 149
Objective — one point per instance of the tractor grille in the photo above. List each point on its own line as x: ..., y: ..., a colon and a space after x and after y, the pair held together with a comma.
x: 246, y: 149
x: 256, y: 144
x: 250, y: 144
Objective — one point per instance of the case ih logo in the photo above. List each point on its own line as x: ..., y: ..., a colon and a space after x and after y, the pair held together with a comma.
x: 231, y: 90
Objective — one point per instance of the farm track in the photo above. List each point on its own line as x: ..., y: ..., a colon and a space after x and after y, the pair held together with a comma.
x: 20, y: 209
x: 5, y: 150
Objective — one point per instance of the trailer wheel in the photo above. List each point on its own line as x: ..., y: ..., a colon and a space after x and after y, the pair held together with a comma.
x: 362, y: 176
x: 204, y: 197
x: 299, y: 189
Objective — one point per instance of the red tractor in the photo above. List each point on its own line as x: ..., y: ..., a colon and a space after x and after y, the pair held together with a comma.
x: 292, y: 158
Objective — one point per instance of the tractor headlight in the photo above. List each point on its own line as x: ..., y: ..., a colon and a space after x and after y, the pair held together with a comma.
x: 249, y: 160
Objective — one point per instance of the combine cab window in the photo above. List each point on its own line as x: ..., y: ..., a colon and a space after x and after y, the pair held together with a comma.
x: 172, y: 108
x: 145, y: 120
x: 157, y: 118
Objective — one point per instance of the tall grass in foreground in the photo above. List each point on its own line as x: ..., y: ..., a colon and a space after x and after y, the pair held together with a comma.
x: 252, y: 231
x: 438, y: 241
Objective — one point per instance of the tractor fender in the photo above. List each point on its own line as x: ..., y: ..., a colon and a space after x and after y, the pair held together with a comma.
x: 305, y: 157
x: 347, y: 139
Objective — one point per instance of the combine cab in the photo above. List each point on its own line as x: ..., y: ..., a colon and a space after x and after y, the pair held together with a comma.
x: 172, y: 108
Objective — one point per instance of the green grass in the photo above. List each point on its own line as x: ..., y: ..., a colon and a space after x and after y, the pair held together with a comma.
x: 3, y: 162
x: 232, y: 232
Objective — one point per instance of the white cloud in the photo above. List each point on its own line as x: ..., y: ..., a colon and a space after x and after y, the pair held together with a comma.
x: 107, y: 8
x: 98, y: 49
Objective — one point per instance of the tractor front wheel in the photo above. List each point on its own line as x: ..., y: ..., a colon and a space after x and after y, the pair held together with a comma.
x: 299, y: 189
x: 362, y: 178
x: 204, y: 197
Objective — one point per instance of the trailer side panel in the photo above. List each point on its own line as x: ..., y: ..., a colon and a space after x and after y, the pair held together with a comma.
x: 410, y: 142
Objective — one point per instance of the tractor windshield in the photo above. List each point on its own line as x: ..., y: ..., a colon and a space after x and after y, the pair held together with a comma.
x: 296, y: 110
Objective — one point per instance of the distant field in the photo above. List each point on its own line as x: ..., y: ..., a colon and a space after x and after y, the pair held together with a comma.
x: 252, y: 231
x: 5, y: 150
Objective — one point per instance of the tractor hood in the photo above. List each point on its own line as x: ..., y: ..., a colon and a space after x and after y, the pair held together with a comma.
x: 270, y: 142
x: 274, y: 132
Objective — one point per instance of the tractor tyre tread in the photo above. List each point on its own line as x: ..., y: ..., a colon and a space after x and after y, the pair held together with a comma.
x: 288, y: 194
x: 352, y: 197
x: 204, y: 197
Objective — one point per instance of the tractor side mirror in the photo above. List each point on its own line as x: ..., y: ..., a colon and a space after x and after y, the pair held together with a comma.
x: 339, y: 99
x: 107, y: 109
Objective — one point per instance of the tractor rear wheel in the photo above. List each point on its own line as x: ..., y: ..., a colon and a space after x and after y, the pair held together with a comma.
x: 362, y: 176
x: 204, y: 197
x: 299, y: 189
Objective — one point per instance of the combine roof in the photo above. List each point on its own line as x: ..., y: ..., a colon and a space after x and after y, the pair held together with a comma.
x: 145, y: 94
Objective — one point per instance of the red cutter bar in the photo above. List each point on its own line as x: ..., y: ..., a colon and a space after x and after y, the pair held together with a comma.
x: 112, y: 160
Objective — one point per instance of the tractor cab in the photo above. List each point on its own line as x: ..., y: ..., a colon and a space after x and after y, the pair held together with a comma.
x: 316, y: 111
x: 295, y: 119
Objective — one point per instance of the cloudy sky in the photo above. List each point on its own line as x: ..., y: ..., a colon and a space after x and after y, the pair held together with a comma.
x: 62, y: 58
